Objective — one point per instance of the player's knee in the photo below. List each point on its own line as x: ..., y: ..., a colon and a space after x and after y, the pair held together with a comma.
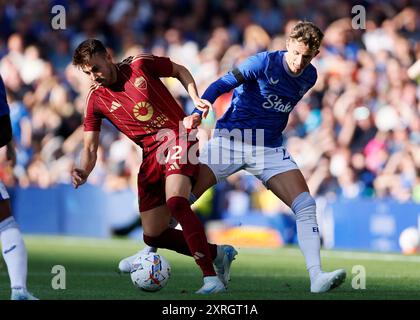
x: 177, y: 205
x: 304, y: 206
x: 8, y: 223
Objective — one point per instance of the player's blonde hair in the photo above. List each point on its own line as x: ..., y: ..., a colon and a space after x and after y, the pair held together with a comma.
x: 308, y: 33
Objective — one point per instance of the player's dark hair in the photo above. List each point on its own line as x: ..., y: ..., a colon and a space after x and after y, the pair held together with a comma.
x: 86, y: 50
x: 308, y: 33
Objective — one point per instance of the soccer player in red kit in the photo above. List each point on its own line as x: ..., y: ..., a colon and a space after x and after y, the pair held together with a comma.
x: 131, y: 96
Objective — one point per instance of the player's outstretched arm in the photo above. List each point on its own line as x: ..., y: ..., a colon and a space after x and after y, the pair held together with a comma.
x: 217, y: 88
x: 88, y: 158
x: 187, y: 80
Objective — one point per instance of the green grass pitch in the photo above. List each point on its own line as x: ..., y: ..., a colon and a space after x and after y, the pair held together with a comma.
x: 257, y: 274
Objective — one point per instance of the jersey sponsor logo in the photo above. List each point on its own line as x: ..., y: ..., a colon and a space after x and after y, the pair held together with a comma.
x: 273, y: 101
x: 140, y: 83
x: 115, y: 105
x: 143, y: 111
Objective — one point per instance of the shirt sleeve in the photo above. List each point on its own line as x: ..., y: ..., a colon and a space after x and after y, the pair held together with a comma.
x: 93, y: 119
x: 253, y: 67
x: 220, y: 86
x: 159, y: 66
x: 249, y: 70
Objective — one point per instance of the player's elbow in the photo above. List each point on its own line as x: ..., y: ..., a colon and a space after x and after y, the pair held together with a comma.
x: 178, y: 70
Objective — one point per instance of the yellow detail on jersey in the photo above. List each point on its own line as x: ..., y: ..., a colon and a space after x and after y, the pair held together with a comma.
x: 143, y: 111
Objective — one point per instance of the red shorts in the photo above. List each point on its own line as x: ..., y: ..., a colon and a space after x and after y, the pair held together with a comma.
x: 178, y: 157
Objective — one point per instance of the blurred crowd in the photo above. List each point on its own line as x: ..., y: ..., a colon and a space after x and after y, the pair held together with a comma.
x: 356, y: 134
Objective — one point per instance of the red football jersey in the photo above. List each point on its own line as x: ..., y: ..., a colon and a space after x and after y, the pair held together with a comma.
x: 138, y: 104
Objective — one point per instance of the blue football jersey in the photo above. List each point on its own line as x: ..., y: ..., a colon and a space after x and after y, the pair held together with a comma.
x: 4, y: 107
x: 265, y: 93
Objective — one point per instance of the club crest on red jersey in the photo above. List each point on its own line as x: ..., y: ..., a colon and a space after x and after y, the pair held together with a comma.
x: 140, y: 83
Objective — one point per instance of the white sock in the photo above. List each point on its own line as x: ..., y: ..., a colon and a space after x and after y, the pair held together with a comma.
x: 310, y: 246
x: 15, y: 256
x: 304, y: 207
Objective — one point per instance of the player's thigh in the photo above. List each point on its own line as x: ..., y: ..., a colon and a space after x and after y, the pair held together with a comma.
x: 279, y: 172
x: 219, y: 159
x: 205, y: 180
x: 288, y: 185
x: 155, y: 221
x: 177, y: 185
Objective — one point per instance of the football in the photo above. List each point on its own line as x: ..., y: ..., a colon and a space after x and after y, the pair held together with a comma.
x: 410, y: 241
x: 150, y: 272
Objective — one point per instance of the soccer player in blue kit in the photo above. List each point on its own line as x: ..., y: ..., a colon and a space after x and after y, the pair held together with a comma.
x: 13, y: 247
x: 267, y: 86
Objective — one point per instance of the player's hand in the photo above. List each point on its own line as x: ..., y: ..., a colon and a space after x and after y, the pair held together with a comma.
x: 11, y: 154
x: 78, y: 177
x: 203, y: 105
x: 192, y: 121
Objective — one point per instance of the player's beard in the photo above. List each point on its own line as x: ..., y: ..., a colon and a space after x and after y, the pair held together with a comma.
x: 111, y: 77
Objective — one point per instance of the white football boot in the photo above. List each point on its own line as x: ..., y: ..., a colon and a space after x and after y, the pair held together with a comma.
x: 225, y: 255
x: 326, y: 281
x: 212, y: 285
x: 21, y: 294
